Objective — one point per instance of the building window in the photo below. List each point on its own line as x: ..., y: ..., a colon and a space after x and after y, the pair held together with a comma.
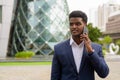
x: 0, y: 14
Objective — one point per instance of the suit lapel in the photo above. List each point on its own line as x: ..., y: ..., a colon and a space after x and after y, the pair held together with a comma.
x: 83, y: 59
x: 70, y: 56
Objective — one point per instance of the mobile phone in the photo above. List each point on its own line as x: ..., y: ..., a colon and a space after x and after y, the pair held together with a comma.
x: 85, y: 30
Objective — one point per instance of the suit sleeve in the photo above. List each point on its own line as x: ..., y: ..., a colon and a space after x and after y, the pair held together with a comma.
x: 56, y: 67
x: 99, y: 63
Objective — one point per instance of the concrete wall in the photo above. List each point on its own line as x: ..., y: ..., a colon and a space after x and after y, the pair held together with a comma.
x: 7, y: 8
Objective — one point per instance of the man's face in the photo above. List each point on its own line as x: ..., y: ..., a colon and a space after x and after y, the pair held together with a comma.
x: 76, y: 26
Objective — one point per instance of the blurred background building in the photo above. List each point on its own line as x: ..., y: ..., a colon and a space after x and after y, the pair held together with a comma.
x: 113, y: 26
x: 35, y: 25
x: 106, y: 18
x: 104, y: 11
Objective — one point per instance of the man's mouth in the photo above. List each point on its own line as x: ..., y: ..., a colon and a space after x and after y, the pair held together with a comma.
x: 74, y: 31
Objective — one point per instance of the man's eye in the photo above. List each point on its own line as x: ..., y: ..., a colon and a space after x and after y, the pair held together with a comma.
x: 78, y: 24
x: 71, y: 24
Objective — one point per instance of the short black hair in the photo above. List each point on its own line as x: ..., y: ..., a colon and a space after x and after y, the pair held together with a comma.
x: 78, y: 13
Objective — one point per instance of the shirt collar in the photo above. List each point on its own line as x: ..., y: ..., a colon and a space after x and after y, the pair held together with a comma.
x: 73, y: 42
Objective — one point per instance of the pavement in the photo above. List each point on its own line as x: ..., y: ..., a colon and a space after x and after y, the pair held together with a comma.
x: 42, y: 72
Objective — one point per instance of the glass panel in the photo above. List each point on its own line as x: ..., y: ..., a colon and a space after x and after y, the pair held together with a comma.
x: 29, y: 0
x: 27, y: 41
x: 46, y: 21
x: 16, y: 38
x: 22, y: 18
x: 32, y: 47
x: 32, y: 35
x: 31, y: 6
x: 29, y: 14
x: 52, y: 40
x: 61, y: 4
x: 27, y: 28
x: 57, y: 21
x: 38, y: 53
x: 46, y: 49
x: 45, y: 7
x: 14, y: 50
x: 39, y: 3
x: 51, y: 44
x: 46, y: 35
x: 33, y: 21
x: 59, y: 36
x: 51, y: 2
x: 36, y: 7
x: 40, y: 14
x: 39, y: 28
x: 23, y: 5
x: 39, y: 42
x: 19, y: 47
x: 52, y: 16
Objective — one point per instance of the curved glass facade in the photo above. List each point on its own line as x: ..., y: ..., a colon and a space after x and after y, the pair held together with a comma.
x: 40, y: 24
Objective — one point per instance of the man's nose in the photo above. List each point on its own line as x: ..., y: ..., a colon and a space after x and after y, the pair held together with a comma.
x: 74, y: 26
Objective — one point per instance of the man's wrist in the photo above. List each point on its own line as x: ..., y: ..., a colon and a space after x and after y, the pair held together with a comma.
x: 91, y: 52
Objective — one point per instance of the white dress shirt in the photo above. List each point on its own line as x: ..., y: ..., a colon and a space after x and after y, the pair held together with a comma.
x: 77, y: 52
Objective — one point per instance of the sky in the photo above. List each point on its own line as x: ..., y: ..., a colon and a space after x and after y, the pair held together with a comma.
x: 85, y: 5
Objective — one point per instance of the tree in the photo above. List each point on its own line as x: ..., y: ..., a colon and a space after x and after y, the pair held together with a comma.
x: 117, y: 42
x: 94, y: 33
x: 107, y: 40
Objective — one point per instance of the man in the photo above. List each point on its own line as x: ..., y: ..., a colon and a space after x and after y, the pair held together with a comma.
x: 77, y: 58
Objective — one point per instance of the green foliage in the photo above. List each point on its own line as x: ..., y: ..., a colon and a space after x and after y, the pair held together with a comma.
x: 104, y: 51
x: 24, y: 54
x: 107, y: 40
x: 118, y: 43
x: 94, y: 33
x: 24, y: 63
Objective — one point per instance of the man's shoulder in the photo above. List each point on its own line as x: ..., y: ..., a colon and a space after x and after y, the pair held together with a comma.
x: 95, y: 44
x: 63, y: 43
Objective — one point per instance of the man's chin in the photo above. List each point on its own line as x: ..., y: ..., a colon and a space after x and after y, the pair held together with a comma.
x: 76, y: 35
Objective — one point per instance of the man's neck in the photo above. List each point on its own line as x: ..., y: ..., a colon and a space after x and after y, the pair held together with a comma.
x: 77, y: 39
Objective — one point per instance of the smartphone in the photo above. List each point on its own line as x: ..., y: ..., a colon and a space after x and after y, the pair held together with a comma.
x: 85, y: 30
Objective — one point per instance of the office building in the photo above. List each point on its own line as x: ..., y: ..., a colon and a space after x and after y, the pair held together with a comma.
x: 113, y: 26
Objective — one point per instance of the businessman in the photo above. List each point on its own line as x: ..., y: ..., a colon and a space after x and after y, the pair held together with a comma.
x: 78, y: 58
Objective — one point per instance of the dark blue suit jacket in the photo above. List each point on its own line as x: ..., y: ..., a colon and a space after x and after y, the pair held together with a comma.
x: 64, y: 68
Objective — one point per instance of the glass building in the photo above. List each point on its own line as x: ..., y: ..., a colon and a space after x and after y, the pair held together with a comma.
x: 38, y: 25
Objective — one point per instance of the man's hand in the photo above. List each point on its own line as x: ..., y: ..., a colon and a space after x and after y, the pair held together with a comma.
x: 87, y: 41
